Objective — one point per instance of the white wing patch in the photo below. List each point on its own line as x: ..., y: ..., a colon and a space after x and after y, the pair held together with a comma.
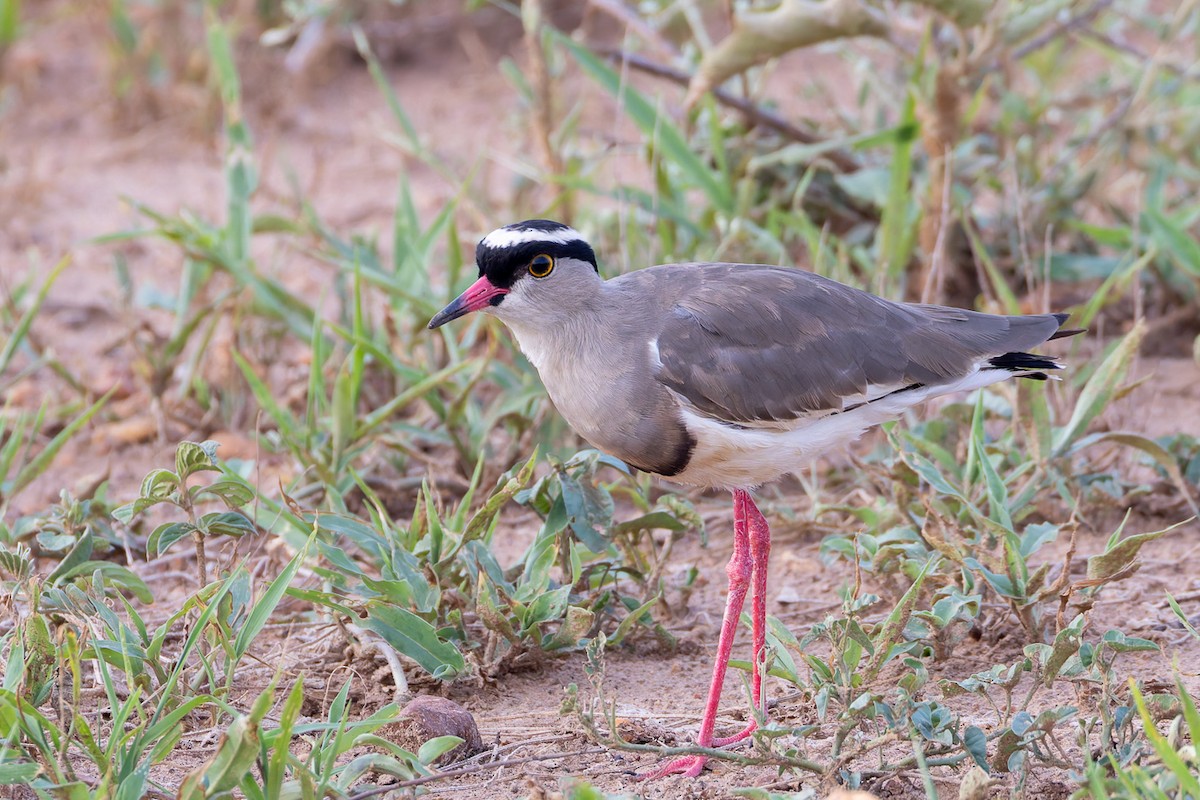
x: 511, y: 237
x: 736, y: 457
x: 656, y: 359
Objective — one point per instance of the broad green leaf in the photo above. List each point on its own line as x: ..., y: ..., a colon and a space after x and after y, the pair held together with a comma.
x: 1174, y: 240
x: 589, y: 509
x: 655, y: 520
x: 540, y: 556
x: 975, y: 743
x: 236, y: 754
x: 1121, y: 554
x: 575, y: 626
x: 414, y: 637
x: 159, y: 484
x: 435, y: 748
x: 1066, y: 644
x: 234, y: 492
x: 166, y: 535
x: 891, y: 628
x: 546, y: 607
x: 1035, y: 535
x: 117, y: 575
x: 225, y: 523
x: 922, y: 720
x: 76, y: 557
x: 20, y: 772
x: 193, y: 457
x: 127, y: 512
x: 1121, y: 643
x: 1001, y: 583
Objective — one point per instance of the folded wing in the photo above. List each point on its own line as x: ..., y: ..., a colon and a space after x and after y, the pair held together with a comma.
x: 750, y: 344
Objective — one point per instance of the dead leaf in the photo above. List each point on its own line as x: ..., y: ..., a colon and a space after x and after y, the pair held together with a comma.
x: 125, y: 432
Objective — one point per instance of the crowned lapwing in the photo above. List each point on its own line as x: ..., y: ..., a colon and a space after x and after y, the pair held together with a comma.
x: 729, y: 376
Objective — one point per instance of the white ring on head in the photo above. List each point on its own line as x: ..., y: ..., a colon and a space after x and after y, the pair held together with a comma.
x: 511, y: 237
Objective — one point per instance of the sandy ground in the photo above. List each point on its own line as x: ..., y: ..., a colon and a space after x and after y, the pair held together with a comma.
x: 71, y: 159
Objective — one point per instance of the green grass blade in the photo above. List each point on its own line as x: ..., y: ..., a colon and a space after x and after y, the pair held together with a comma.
x: 1183, y: 618
x: 1188, y: 781
x: 23, y: 324
x: 1008, y: 299
x: 897, y: 223
x: 413, y: 139
x: 262, y: 610
x: 289, y: 426
x: 42, y: 460
x: 10, y: 20
x: 667, y: 138
x: 1099, y: 390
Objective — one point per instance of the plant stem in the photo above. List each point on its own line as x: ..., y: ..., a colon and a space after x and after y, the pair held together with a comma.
x: 201, y: 564
x: 926, y: 778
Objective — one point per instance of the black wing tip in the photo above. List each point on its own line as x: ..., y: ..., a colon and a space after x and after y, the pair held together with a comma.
x: 1063, y: 334
x: 1026, y: 363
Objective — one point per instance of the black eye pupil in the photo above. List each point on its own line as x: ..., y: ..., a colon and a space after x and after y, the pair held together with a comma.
x: 541, y: 265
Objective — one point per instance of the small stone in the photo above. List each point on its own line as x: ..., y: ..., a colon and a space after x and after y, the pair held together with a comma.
x: 788, y: 595
x: 427, y: 717
x: 976, y: 785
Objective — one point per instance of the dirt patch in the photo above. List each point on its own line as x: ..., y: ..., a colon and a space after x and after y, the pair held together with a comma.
x: 71, y: 166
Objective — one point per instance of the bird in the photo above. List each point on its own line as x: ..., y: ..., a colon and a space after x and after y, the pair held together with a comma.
x: 729, y: 376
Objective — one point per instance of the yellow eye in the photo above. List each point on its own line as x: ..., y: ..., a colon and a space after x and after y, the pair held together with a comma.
x: 541, y: 266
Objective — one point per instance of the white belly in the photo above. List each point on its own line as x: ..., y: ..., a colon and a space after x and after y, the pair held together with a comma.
x: 733, y: 458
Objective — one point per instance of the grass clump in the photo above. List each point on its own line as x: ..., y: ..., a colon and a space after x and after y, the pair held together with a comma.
x: 391, y: 462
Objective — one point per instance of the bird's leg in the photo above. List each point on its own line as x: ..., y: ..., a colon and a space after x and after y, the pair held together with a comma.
x: 739, y: 569
x: 760, y: 553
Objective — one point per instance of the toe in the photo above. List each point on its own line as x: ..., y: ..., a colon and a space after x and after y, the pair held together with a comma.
x: 688, y: 766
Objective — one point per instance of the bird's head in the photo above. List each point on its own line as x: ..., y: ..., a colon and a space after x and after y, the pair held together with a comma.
x: 525, y: 269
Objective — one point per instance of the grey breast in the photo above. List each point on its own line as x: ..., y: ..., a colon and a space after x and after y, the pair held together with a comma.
x: 602, y: 382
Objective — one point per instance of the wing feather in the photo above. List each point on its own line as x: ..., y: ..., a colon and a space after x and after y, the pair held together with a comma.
x: 751, y: 344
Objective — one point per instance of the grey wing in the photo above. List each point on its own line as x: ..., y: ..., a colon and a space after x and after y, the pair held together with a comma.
x: 759, y: 344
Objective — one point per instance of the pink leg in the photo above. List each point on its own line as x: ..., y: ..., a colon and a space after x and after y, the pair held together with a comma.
x: 760, y: 554
x: 751, y: 547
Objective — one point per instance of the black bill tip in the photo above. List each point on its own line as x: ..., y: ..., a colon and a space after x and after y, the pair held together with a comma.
x: 451, y: 312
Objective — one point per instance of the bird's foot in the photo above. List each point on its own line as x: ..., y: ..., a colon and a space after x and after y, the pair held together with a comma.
x: 689, y: 766
x: 737, y: 737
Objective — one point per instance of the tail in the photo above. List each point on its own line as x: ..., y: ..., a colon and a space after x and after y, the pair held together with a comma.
x: 1030, y: 365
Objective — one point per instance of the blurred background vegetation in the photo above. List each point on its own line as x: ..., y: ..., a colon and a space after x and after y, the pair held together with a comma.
x: 409, y: 498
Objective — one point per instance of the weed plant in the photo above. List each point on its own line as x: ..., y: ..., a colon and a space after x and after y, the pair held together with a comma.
x: 978, y: 158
